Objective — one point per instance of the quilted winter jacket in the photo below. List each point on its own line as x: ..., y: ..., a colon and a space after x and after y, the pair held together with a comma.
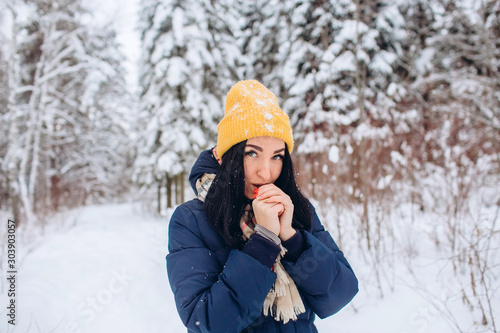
x: 221, y: 289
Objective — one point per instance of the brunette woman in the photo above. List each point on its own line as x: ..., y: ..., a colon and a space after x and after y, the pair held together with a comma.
x: 249, y: 254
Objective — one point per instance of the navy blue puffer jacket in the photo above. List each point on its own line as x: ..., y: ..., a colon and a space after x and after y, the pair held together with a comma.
x: 220, y: 289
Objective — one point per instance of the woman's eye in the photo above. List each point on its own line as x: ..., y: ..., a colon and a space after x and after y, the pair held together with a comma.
x: 278, y: 157
x: 251, y: 153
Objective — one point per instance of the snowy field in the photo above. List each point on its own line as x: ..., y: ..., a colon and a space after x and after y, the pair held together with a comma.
x: 102, y: 269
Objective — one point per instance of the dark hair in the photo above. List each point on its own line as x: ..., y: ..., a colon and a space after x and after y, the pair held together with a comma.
x: 225, y: 201
x: 302, y: 210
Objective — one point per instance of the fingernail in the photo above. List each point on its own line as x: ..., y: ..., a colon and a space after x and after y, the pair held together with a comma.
x: 254, y: 195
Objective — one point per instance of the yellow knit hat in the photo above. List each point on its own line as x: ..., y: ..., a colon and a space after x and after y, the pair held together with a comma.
x: 252, y: 111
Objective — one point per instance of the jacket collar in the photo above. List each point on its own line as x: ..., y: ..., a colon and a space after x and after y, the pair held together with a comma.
x: 206, y: 163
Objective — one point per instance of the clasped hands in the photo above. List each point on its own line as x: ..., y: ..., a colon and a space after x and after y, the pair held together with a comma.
x: 273, y: 209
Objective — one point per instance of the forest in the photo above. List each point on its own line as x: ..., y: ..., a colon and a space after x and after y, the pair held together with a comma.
x: 395, y: 108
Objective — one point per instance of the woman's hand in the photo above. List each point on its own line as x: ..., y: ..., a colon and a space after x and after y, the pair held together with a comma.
x: 272, y: 195
x: 266, y: 214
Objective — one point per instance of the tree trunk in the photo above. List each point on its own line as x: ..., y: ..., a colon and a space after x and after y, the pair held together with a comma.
x: 21, y: 207
x: 169, y: 191
x: 54, y: 192
x: 179, y: 188
x: 40, y: 107
x: 363, y: 146
x: 158, y: 195
x: 364, y: 181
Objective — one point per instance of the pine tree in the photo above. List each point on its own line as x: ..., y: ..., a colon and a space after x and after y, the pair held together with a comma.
x: 263, y: 38
x: 4, y: 124
x: 342, y: 62
x: 96, y: 164
x: 4, y: 95
x: 413, y: 114
x: 56, y: 72
x: 190, y: 59
x: 451, y: 72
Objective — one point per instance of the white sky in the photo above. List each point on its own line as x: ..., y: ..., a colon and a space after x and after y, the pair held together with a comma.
x: 123, y: 14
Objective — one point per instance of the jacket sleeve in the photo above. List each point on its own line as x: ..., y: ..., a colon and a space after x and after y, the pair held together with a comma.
x: 322, y: 274
x: 210, y: 296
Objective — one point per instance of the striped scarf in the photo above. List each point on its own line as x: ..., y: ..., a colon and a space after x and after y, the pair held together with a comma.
x: 283, y: 301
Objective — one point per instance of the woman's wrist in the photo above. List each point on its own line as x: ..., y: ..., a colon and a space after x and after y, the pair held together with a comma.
x: 267, y: 234
x: 262, y: 250
x: 295, y: 246
x: 287, y: 234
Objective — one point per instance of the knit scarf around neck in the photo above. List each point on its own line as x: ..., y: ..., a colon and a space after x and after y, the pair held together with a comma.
x: 283, y: 301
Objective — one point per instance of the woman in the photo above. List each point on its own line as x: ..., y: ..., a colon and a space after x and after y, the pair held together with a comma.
x: 249, y: 254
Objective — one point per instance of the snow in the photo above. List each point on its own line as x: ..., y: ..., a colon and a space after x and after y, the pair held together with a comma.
x: 122, y: 14
x: 382, y: 62
x: 104, y: 274
x: 102, y: 269
x: 345, y: 62
x: 178, y: 22
x: 314, y: 142
x: 423, y: 63
x: 333, y: 154
x: 176, y: 71
x: 350, y: 31
x: 269, y: 127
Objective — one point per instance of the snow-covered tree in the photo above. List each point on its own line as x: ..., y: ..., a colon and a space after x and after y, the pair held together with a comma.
x: 4, y: 95
x: 263, y: 34
x: 96, y: 163
x: 453, y: 146
x: 189, y: 61
x: 63, y: 77
x: 450, y: 66
x: 339, y: 77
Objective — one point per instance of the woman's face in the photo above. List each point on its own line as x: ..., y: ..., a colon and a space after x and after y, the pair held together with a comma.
x: 263, y: 162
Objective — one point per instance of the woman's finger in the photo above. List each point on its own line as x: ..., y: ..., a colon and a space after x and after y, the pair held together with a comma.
x: 274, y: 198
x: 278, y: 208
x: 275, y: 194
x: 264, y: 189
x: 268, y: 192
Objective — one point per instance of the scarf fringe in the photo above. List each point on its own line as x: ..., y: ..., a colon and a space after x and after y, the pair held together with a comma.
x: 283, y: 302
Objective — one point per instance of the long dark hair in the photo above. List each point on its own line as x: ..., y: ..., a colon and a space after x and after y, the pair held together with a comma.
x: 225, y: 202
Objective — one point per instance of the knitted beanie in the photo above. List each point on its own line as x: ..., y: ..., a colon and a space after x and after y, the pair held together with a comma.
x: 251, y: 111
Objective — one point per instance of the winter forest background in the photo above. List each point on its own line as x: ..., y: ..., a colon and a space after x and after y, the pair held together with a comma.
x: 395, y: 107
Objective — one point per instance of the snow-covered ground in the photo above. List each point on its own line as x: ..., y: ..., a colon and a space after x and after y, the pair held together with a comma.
x: 104, y: 274
x: 102, y: 269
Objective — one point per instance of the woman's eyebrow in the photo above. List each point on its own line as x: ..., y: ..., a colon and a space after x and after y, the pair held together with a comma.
x: 256, y: 147
x: 279, y: 150
x: 260, y: 149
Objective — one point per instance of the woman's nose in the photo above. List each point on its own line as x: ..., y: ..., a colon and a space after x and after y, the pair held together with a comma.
x: 264, y: 172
